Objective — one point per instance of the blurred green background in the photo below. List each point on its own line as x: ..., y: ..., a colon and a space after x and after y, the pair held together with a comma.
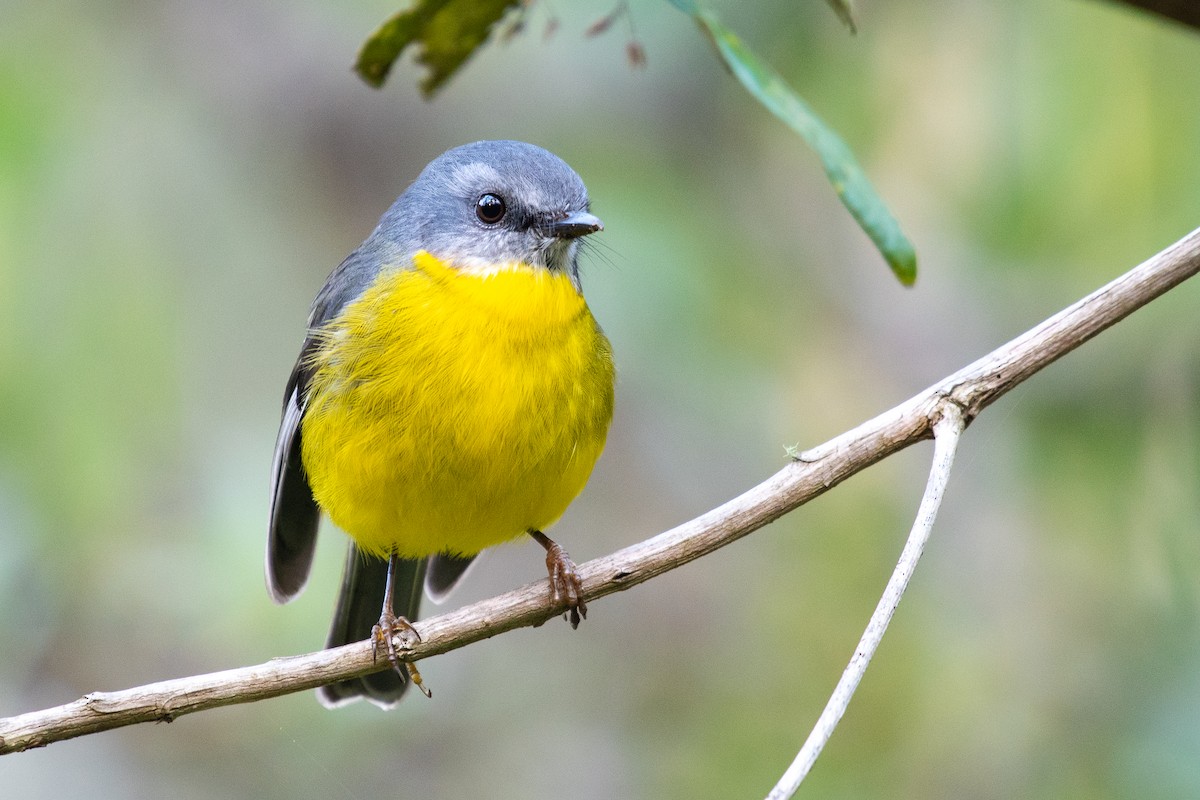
x: 177, y: 179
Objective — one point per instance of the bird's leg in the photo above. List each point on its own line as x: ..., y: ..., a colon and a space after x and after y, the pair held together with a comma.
x: 565, y: 585
x: 389, y: 626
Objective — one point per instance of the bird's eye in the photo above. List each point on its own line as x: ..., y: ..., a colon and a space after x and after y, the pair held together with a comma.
x: 490, y: 208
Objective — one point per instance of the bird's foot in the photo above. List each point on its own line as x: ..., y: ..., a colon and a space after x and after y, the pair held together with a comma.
x: 565, y: 584
x: 383, y: 636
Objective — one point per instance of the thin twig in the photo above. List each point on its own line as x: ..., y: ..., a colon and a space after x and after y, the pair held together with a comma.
x: 813, y: 473
x: 946, y: 432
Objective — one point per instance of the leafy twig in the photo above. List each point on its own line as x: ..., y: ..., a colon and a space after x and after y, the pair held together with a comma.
x: 844, y: 173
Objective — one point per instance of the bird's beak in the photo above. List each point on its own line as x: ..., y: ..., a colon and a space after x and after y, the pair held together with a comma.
x: 573, y: 226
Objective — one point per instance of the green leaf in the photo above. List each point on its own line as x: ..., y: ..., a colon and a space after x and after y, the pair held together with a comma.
x: 846, y: 176
x: 447, y: 31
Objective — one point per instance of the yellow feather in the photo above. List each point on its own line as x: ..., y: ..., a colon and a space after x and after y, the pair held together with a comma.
x: 451, y: 410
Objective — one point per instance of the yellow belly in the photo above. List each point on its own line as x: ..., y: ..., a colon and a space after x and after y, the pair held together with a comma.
x: 452, y: 411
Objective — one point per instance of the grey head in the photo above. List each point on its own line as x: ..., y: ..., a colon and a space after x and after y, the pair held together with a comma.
x: 475, y: 207
x: 490, y: 203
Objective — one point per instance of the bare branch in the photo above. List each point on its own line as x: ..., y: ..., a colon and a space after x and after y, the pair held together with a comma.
x: 946, y: 432
x: 815, y: 472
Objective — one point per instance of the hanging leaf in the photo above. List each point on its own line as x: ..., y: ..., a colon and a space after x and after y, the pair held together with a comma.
x: 846, y: 176
x: 448, y: 32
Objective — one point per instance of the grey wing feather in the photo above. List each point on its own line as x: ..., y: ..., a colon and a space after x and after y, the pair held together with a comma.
x: 292, y: 534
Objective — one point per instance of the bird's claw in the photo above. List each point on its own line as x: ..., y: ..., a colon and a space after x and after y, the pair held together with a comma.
x: 383, y: 636
x: 565, y: 584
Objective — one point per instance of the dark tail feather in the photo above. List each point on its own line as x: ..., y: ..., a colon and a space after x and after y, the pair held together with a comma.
x: 358, y: 608
x: 444, y: 573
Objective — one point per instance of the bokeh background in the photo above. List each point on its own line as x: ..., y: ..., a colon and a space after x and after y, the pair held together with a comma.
x: 177, y: 179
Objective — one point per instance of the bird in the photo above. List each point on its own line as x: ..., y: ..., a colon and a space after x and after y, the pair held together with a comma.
x: 453, y: 392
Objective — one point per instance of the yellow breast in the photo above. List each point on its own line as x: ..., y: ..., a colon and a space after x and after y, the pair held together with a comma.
x: 451, y: 411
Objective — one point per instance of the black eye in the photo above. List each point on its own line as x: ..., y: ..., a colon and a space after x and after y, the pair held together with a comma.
x: 490, y: 209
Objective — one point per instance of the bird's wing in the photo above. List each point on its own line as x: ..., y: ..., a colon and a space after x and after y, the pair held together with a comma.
x: 292, y: 534
x: 294, y: 513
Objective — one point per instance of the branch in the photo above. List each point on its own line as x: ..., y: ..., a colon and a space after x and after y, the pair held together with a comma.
x: 813, y: 473
x: 946, y: 432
